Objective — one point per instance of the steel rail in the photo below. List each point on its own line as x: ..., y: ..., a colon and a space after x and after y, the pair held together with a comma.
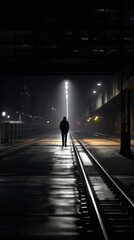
x: 90, y: 194
x: 106, y: 174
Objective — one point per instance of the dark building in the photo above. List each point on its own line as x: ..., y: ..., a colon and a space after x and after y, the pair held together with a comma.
x: 25, y: 98
x: 87, y: 36
x: 96, y: 35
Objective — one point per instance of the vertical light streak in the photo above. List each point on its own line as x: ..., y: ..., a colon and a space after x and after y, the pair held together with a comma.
x: 66, y: 95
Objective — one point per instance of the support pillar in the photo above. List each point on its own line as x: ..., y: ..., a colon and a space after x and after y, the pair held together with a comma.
x: 125, y: 123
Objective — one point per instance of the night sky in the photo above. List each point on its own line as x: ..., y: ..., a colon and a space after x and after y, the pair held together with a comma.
x: 48, y: 92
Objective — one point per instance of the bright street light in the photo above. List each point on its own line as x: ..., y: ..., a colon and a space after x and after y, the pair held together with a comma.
x: 94, y: 91
x: 54, y: 109
x: 98, y: 84
x: 3, y: 114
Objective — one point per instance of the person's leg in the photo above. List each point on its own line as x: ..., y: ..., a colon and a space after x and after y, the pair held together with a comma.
x: 65, y: 139
x: 62, y: 138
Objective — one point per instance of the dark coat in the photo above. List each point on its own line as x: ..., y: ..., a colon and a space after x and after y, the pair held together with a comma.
x: 64, y: 126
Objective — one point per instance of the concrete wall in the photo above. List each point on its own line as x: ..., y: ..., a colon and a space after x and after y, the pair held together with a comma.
x: 132, y: 113
x: 108, y: 92
x: 107, y: 104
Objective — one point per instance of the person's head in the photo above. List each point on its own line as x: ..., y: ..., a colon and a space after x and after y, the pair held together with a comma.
x: 64, y: 118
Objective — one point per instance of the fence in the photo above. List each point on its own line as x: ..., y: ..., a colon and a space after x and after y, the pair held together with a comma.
x: 13, y: 131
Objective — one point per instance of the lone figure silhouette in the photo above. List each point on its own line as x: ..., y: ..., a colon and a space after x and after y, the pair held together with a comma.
x: 64, y: 127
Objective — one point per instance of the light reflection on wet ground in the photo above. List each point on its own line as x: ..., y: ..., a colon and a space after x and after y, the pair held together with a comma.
x: 38, y: 192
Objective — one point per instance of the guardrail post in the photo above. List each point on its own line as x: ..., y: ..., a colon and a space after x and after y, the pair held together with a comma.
x: 11, y: 132
x: 4, y: 132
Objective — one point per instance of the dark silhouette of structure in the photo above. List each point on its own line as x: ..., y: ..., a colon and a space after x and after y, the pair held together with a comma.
x: 64, y: 127
x: 100, y: 38
x: 25, y: 98
x: 96, y: 38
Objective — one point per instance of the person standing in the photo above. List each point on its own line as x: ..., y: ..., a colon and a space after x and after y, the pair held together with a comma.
x: 64, y: 127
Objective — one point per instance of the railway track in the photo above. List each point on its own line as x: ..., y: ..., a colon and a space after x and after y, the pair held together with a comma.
x: 107, y: 212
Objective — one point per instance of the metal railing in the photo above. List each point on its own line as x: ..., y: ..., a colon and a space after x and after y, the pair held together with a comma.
x: 14, y: 131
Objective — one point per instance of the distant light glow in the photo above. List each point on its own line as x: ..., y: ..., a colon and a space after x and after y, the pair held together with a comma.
x: 8, y: 116
x: 94, y: 91
x: 75, y: 50
x: 101, y: 10
x: 66, y: 97
x: 89, y: 119
x: 96, y: 118
x: 84, y: 38
x: 69, y: 33
x: 98, y: 84
x: 48, y: 121
x: 3, y: 114
x: 66, y: 85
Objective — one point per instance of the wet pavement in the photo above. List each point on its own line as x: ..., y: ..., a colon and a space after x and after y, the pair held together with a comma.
x: 38, y: 193
x: 38, y: 188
